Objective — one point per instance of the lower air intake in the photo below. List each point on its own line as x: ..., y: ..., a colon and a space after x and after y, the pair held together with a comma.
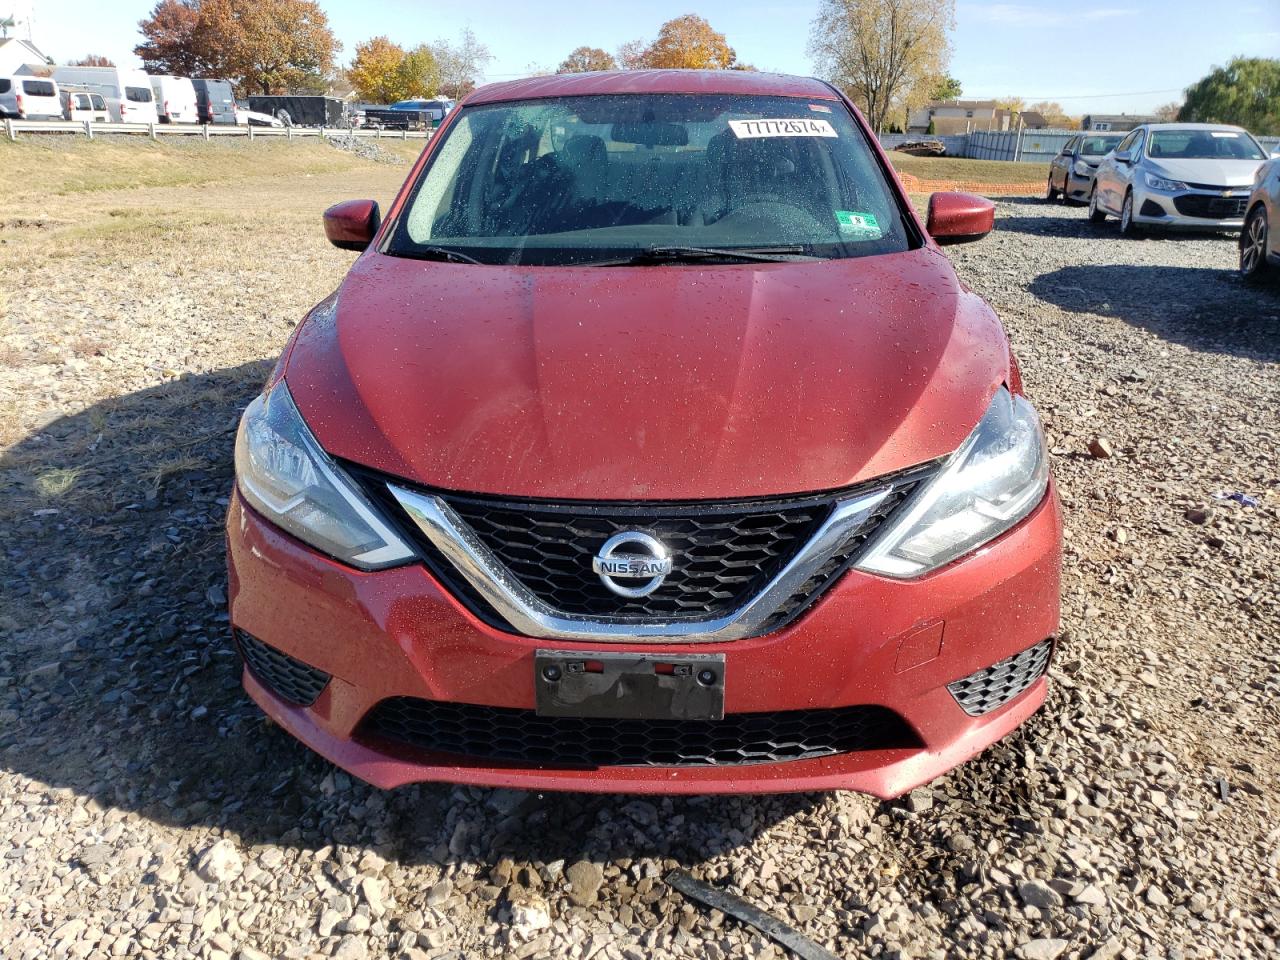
x: 502, y: 735
x: 999, y: 683
x: 287, y: 678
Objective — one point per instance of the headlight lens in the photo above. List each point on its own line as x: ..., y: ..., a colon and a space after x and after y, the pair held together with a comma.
x: 996, y: 478
x: 1082, y: 169
x: 1159, y: 183
x: 286, y: 476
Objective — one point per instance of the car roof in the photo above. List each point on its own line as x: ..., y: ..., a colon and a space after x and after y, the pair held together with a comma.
x: 1192, y: 126
x: 742, y: 82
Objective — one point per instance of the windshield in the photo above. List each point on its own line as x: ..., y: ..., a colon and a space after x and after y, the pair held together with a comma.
x: 582, y: 179
x: 1203, y: 145
x: 1098, y: 146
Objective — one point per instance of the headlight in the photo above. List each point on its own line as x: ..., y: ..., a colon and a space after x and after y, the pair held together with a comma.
x: 290, y: 480
x: 996, y: 478
x: 1159, y: 183
x: 1082, y: 169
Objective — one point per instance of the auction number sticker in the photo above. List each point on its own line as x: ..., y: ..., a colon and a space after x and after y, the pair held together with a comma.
x: 800, y: 127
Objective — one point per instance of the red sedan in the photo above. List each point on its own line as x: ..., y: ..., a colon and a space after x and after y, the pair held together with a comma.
x: 650, y: 445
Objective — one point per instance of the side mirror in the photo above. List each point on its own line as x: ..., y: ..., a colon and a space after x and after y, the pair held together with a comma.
x: 1124, y: 156
x: 351, y: 225
x: 959, y: 217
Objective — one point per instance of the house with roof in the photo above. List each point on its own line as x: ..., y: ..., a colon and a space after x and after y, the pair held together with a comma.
x: 959, y: 116
x: 1114, y: 122
x: 15, y: 54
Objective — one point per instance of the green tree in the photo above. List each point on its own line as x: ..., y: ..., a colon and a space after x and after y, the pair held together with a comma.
x: 1245, y: 92
x: 587, y: 60
x: 418, y: 73
x: 946, y: 87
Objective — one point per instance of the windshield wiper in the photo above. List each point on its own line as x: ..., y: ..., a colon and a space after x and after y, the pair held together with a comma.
x: 651, y: 256
x: 440, y: 253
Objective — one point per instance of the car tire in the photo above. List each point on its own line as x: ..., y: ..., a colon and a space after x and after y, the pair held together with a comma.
x: 1096, y: 213
x: 1253, y: 245
x: 1051, y: 193
x: 1127, y: 227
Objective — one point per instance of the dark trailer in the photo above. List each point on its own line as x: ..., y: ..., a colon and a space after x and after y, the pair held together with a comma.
x: 302, y: 111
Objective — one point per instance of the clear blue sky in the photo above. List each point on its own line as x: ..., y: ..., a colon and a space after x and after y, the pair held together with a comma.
x: 1107, y: 56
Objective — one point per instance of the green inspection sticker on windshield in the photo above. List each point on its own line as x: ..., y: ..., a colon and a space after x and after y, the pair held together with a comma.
x: 859, y: 226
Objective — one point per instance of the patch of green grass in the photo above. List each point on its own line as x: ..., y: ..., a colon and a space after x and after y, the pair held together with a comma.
x: 963, y: 169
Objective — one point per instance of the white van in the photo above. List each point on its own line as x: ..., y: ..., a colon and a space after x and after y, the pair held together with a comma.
x: 127, y: 92
x: 175, y: 99
x: 30, y: 98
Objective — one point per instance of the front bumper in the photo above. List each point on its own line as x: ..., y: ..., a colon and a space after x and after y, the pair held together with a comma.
x: 1079, y: 187
x: 1205, y: 210
x: 868, y: 641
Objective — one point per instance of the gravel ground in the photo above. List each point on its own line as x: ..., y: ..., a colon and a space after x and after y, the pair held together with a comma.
x: 147, y: 809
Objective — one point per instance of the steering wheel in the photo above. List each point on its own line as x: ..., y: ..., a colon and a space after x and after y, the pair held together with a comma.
x: 765, y: 206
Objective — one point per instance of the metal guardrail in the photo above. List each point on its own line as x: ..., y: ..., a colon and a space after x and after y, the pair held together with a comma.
x: 208, y: 131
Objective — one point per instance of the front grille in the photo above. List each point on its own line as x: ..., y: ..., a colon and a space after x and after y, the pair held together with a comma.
x: 999, y: 683
x: 502, y: 735
x: 1217, y: 187
x: 287, y: 678
x: 1210, y: 208
x: 724, y: 553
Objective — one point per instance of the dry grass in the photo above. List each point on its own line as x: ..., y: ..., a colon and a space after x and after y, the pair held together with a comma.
x: 57, y: 483
x: 75, y: 165
x: 147, y: 286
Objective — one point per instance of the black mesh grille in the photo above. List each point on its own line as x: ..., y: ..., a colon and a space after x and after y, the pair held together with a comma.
x: 722, y: 556
x: 521, y: 737
x: 287, y: 678
x: 999, y: 683
x: 1211, y: 208
x: 724, y: 552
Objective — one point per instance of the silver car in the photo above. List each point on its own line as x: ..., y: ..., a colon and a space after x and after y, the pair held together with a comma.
x: 1071, y: 172
x: 1260, y: 241
x: 1180, y: 176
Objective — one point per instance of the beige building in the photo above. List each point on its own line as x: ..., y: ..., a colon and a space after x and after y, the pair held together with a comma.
x: 959, y: 116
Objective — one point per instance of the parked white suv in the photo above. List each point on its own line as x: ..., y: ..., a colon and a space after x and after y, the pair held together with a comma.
x: 1181, y: 176
x: 29, y: 98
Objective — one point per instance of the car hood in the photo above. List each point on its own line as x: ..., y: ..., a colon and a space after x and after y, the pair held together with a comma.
x: 1227, y: 173
x: 650, y: 383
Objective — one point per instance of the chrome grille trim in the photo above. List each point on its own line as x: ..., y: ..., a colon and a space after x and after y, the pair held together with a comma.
x: 529, y: 615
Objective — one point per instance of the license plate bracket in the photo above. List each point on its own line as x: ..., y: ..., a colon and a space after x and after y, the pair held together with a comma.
x: 629, y: 686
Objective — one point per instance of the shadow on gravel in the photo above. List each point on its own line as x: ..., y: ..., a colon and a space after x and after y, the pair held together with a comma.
x: 1210, y: 310
x: 1073, y: 223
x: 118, y: 683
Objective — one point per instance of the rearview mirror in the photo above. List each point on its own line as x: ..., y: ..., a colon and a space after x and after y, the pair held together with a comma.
x: 351, y: 225
x: 651, y: 134
x: 1124, y: 156
x: 960, y: 217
